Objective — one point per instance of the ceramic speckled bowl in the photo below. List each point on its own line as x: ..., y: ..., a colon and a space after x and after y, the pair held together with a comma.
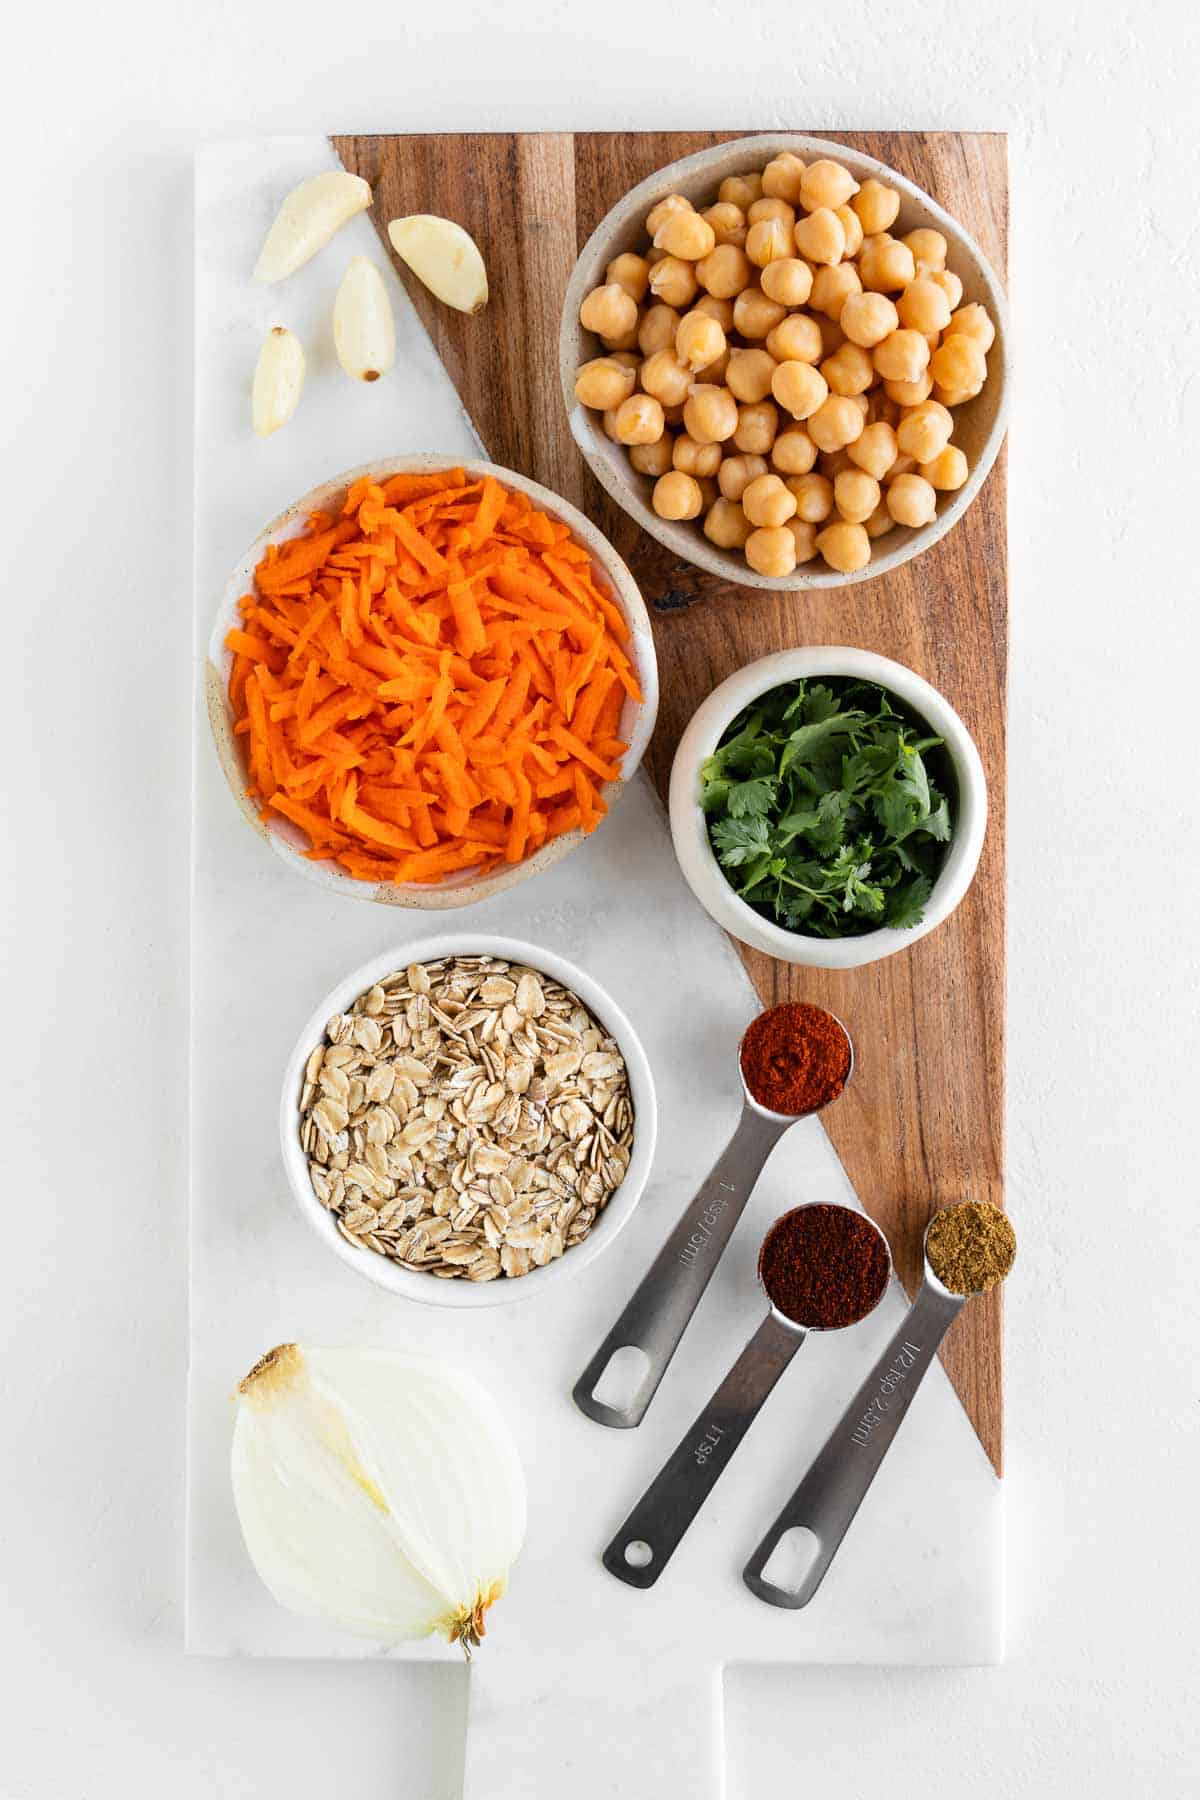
x: 466, y: 887
x: 979, y: 426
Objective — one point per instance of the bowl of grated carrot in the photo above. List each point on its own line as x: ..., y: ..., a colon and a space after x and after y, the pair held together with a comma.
x: 429, y: 680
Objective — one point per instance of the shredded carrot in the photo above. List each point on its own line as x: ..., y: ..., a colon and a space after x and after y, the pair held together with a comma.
x: 430, y: 679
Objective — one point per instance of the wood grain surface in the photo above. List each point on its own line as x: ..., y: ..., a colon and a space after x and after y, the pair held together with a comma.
x: 922, y: 1123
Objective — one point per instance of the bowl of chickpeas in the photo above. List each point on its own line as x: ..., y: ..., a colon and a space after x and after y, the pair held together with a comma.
x: 786, y: 362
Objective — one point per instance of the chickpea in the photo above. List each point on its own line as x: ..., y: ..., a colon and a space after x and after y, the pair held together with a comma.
x: 664, y: 376
x: 630, y: 271
x: 845, y: 547
x: 814, y: 497
x: 884, y: 265
x: 685, y: 234
x: 771, y: 551
x: 911, y: 500
x: 949, y: 283
x: 699, y: 340
x: 756, y: 427
x: 672, y: 204
x: 728, y: 223
x: 771, y: 207
x: 928, y: 248
x: 677, y: 496
x: 852, y: 226
x: 849, y: 370
x: 923, y: 307
x: 782, y: 177
x: 959, y: 363
x: 867, y: 319
x: 725, y: 271
x: 833, y: 463
x: 903, y: 465
x: 856, y: 495
x: 924, y: 430
x: 709, y: 492
x: 657, y: 329
x: 673, y: 417
x: 824, y: 185
x: 741, y: 190
x: 749, y: 374
x: 609, y: 311
x: 674, y: 281
x: 787, y: 280
x: 710, y: 414
x: 909, y: 393
x: 799, y: 388
x: 609, y: 421
x: 603, y: 382
x: 837, y: 422
x: 654, y: 256
x: 875, y: 451
x: 726, y: 525
x: 713, y: 373
x: 880, y: 522
x: 880, y: 406
x: 625, y: 340
x: 713, y: 308
x: 805, y: 536
x: 754, y: 315
x: 832, y: 335
x: 876, y: 207
x: 904, y: 356
x: 767, y: 241
x: 793, y: 452
x: 973, y: 322
x: 832, y: 287
x: 737, y: 472
x: 796, y: 339
x: 955, y: 396
x: 628, y: 359
x: 695, y: 459
x: 766, y: 501
x: 947, y: 471
x: 821, y: 237
x: 652, y: 459
x: 639, y: 420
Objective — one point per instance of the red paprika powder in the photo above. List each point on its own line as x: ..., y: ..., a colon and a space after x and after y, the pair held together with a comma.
x: 795, y: 1058
x: 824, y: 1266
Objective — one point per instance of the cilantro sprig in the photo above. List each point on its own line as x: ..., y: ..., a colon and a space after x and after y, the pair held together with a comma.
x: 822, y: 809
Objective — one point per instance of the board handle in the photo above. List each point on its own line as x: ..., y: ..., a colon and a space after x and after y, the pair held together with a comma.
x: 611, y: 1729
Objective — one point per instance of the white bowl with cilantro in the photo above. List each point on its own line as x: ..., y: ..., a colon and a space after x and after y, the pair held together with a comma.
x: 828, y: 806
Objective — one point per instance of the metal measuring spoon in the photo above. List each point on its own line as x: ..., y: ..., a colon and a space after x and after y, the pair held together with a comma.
x: 840, y: 1474
x: 657, y: 1315
x: 643, y: 1546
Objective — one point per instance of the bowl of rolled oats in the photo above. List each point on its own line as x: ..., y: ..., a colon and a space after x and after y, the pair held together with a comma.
x: 467, y: 1119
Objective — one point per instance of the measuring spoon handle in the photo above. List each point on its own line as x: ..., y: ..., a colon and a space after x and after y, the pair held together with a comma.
x: 658, y: 1313
x: 664, y: 1512
x: 846, y: 1464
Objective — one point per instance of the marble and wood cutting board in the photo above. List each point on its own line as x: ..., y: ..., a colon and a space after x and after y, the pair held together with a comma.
x: 585, y: 1684
x: 923, y: 1122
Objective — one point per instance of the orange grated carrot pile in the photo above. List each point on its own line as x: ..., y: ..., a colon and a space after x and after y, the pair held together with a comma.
x: 430, y: 682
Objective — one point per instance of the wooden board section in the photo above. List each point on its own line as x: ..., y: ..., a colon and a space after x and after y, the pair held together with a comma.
x: 922, y: 1123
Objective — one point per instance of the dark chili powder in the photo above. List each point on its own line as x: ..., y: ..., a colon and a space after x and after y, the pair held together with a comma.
x: 823, y: 1266
x: 795, y: 1058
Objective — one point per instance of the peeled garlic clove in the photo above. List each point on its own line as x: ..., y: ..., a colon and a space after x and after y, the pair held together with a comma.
x: 445, y: 257
x: 364, y: 333
x: 278, y: 379
x: 308, y: 219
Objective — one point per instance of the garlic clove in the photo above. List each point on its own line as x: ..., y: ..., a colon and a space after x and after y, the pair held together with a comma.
x: 445, y: 257
x: 364, y: 332
x: 308, y: 219
x: 278, y: 380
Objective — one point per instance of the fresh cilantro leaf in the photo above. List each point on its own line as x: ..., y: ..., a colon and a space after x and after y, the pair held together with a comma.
x: 906, y: 904
x: 751, y: 799
x: 739, y: 841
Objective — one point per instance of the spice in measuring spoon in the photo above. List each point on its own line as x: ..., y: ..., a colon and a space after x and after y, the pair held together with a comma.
x: 968, y: 1249
x: 796, y: 1058
x: 793, y: 1060
x: 823, y: 1268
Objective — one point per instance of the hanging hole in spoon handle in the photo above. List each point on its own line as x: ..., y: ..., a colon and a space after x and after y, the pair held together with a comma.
x: 810, y: 1528
x: 642, y: 1548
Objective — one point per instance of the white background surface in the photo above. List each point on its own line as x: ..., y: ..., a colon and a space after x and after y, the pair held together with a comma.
x: 101, y: 110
